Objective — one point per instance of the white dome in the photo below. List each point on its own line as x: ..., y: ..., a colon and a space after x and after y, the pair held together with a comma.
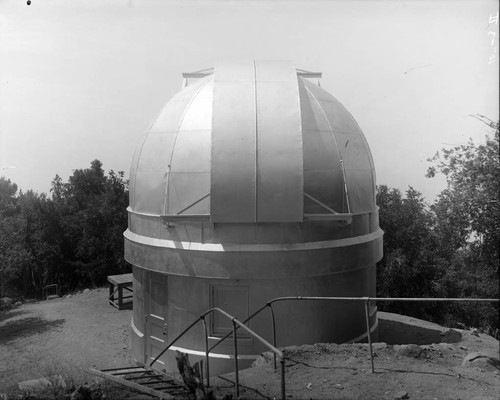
x: 253, y: 143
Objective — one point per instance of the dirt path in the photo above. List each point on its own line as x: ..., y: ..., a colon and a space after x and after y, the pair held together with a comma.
x: 62, y: 336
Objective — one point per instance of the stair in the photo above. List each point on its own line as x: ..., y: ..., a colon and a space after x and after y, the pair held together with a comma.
x: 145, y: 380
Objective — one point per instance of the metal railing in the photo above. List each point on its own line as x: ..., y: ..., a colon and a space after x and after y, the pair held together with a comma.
x: 366, y: 300
x: 236, y: 325
x: 276, y: 352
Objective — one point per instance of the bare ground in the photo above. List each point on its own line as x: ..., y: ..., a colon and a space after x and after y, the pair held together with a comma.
x: 67, y: 336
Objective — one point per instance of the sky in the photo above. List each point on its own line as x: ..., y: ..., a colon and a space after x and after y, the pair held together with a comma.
x: 83, y: 79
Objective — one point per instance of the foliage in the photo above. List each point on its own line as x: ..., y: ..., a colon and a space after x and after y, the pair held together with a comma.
x: 73, y: 239
x: 450, y: 248
x: 411, y: 266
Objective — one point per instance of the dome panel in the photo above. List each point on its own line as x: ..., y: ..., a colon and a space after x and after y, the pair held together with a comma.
x: 320, y: 151
x: 150, y: 172
x: 353, y: 151
x: 339, y: 117
x: 325, y: 186
x: 198, y: 115
x: 171, y: 115
x: 317, y: 92
x: 279, y: 160
x: 185, y: 189
x: 133, y: 169
x: 312, y: 115
x: 359, y: 171
x: 192, y: 152
x: 233, y: 172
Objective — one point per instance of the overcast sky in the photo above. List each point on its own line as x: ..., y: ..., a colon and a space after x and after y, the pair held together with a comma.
x: 83, y: 79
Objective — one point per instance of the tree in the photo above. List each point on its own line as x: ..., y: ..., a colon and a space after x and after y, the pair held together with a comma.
x: 410, y: 267
x: 74, y: 238
x: 467, y: 215
x: 470, y: 205
x: 92, y: 216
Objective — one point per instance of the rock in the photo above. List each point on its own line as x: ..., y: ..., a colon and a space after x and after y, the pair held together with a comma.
x: 482, y: 361
x: 338, y: 386
x: 408, y: 350
x: 309, y: 386
x: 401, y: 395
x: 68, y: 296
x: 86, y: 291
x: 18, y: 303
x: 474, y: 332
x: 463, y: 348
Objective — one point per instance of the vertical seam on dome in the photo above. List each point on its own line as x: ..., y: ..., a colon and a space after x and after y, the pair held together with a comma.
x: 333, y: 134
x: 165, y: 196
x: 256, y: 187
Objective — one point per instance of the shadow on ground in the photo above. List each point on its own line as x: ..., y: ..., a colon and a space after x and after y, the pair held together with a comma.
x: 393, y: 332
x: 26, y: 326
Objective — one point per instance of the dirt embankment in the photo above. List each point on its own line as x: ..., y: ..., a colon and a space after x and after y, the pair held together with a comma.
x: 415, y: 359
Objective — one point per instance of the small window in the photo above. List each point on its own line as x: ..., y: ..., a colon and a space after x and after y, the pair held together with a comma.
x: 233, y: 300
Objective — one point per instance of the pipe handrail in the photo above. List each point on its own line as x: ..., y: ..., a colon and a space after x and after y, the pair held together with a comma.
x: 277, y: 299
x: 379, y: 299
x: 236, y: 325
x: 363, y: 299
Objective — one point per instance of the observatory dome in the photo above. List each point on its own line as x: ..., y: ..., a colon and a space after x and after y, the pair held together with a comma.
x: 252, y: 183
x: 253, y: 143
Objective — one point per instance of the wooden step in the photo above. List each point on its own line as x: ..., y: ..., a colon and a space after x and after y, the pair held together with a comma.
x: 143, y: 379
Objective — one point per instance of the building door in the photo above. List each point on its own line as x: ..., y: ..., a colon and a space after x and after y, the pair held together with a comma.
x: 156, y: 323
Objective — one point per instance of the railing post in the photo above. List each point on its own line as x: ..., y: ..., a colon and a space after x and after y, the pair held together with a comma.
x: 283, y: 392
x: 367, y: 316
x: 236, y: 372
x: 207, y: 371
x: 274, y: 332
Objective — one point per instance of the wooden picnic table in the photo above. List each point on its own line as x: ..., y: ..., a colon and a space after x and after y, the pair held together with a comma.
x: 117, y: 284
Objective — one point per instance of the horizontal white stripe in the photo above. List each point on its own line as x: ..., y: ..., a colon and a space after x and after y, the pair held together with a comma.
x: 217, y: 247
x: 214, y: 355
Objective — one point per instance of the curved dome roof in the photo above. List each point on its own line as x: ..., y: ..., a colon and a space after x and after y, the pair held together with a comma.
x: 253, y: 143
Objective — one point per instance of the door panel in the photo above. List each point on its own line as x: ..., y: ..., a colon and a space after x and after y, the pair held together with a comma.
x: 156, y: 324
